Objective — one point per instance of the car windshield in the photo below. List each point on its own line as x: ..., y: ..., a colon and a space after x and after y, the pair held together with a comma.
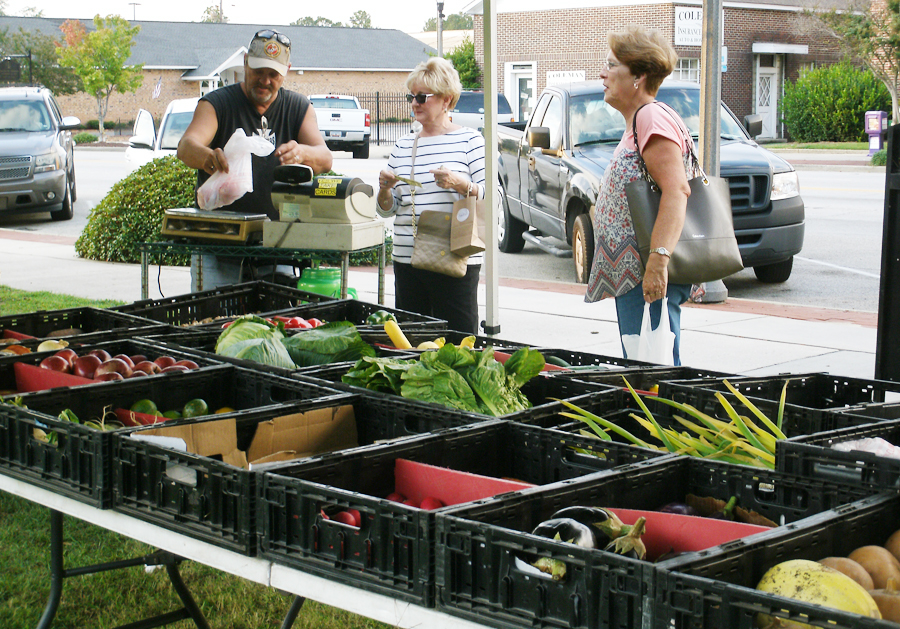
x: 473, y: 103
x: 176, y: 125
x: 333, y: 103
x: 592, y: 121
x: 24, y: 116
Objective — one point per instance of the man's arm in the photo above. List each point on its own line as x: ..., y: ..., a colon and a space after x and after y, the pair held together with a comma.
x: 309, y: 147
x: 193, y: 148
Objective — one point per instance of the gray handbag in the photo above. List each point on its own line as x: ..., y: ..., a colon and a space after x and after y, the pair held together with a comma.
x: 707, y: 249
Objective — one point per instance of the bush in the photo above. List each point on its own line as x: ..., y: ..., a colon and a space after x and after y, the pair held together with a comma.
x: 880, y: 158
x: 829, y: 104
x: 108, y: 125
x: 84, y: 138
x: 132, y: 213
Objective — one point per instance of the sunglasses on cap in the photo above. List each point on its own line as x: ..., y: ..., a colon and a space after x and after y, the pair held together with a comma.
x: 269, y: 34
x: 419, y: 98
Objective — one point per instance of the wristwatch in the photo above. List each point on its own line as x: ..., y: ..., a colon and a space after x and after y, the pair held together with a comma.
x: 661, y: 251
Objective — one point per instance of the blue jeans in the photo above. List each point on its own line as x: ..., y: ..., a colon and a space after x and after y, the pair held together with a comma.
x: 630, y: 312
x: 224, y: 270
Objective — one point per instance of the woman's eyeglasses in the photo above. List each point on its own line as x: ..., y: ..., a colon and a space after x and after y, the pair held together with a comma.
x: 269, y: 34
x: 419, y: 98
x: 609, y: 65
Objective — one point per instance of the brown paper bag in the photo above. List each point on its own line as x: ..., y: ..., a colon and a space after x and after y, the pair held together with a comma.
x: 467, y: 227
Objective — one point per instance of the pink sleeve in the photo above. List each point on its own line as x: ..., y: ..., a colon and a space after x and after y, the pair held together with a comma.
x: 654, y: 120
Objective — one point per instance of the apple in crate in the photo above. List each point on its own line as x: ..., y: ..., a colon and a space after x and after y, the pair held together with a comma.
x: 114, y: 365
x: 56, y: 363
x: 86, y: 366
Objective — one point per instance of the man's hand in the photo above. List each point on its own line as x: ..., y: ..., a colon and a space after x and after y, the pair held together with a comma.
x: 215, y: 161
x: 291, y: 153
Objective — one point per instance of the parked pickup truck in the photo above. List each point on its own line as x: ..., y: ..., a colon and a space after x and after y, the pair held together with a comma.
x: 345, y: 125
x: 550, y: 171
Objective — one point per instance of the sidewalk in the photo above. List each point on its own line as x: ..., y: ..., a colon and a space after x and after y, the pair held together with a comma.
x: 739, y: 336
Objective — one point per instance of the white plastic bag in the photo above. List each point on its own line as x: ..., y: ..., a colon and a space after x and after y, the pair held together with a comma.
x: 223, y: 188
x: 652, y: 346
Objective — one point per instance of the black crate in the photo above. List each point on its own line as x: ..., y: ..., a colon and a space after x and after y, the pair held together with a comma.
x: 640, y: 378
x: 392, y: 553
x: 584, y: 361
x: 814, y: 456
x: 95, y: 324
x: 129, y: 347
x: 211, y: 500
x: 379, y: 339
x: 543, y: 392
x: 220, y: 303
x: 719, y: 590
x: 477, y: 577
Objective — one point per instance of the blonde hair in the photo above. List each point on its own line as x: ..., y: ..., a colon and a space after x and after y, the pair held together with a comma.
x: 646, y: 52
x: 438, y: 76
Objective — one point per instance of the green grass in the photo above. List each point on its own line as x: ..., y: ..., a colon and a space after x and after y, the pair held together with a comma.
x: 845, y: 146
x: 119, y: 597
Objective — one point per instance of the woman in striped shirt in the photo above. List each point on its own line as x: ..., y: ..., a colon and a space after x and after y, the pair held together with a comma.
x: 449, y: 164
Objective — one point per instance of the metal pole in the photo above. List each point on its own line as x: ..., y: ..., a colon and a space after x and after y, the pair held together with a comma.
x: 887, y: 359
x: 491, y: 155
x: 440, y: 29
x: 711, y: 86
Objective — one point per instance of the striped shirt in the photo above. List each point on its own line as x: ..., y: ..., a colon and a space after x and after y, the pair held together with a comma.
x: 461, y: 150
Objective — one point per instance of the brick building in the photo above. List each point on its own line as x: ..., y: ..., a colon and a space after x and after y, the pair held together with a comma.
x: 187, y: 59
x: 767, y: 42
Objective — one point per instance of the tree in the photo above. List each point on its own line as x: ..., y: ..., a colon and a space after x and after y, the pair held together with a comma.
x: 361, y: 19
x: 214, y: 14
x: 2, y: 7
x: 870, y: 32
x: 45, y: 68
x: 463, y: 59
x: 454, y: 22
x: 318, y: 21
x: 32, y: 12
x: 99, y: 58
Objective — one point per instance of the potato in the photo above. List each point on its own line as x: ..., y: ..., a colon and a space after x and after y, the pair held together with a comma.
x: 893, y: 545
x: 888, y: 601
x: 851, y: 569
x: 879, y: 563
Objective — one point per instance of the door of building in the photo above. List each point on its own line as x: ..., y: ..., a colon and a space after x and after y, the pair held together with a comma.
x: 767, y: 101
x: 520, y: 93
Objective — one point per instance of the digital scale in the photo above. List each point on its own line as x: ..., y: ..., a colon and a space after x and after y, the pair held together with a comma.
x: 213, y: 226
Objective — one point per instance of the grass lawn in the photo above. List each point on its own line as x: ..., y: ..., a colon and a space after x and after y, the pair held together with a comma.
x: 845, y: 146
x: 119, y: 597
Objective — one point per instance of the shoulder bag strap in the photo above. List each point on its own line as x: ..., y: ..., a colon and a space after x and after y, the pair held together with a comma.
x: 690, y: 142
x: 412, y: 189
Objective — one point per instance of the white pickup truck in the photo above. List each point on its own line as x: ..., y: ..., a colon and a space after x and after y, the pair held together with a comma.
x: 345, y: 126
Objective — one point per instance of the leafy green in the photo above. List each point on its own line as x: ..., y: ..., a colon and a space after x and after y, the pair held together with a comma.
x: 439, y: 383
x: 338, y: 341
x: 524, y: 365
x: 378, y: 374
x: 268, y: 351
x: 245, y: 328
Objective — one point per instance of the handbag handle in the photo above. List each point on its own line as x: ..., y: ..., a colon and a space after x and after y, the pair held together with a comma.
x: 695, y: 161
x: 412, y: 189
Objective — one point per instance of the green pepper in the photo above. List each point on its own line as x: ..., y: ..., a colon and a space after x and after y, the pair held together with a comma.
x: 69, y: 415
x: 380, y: 317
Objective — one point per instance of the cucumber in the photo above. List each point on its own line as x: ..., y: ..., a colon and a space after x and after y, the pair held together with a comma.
x: 559, y: 362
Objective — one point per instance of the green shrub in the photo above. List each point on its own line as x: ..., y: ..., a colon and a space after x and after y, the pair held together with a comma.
x: 108, y: 125
x: 370, y: 258
x: 84, y: 138
x: 880, y: 158
x: 132, y: 213
x: 829, y: 104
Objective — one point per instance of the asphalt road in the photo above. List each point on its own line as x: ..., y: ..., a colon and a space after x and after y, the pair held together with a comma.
x: 839, y: 266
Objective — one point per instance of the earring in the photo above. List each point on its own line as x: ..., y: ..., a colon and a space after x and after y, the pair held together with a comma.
x: 635, y: 85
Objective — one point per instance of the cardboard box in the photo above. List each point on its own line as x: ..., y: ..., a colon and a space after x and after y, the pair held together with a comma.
x: 281, y: 438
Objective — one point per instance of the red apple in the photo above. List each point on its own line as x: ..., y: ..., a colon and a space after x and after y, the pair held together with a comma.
x: 137, y: 373
x: 116, y: 365
x: 147, y: 367
x: 356, y: 516
x: 190, y: 364
x: 164, y: 361
x: 110, y: 375
x: 126, y: 359
x: 174, y: 368
x: 85, y: 366
x: 410, y: 502
x: 102, y: 354
x: 56, y: 363
x: 138, y: 358
x: 68, y: 354
x: 344, y: 518
x: 430, y: 503
x: 323, y: 514
x: 396, y: 497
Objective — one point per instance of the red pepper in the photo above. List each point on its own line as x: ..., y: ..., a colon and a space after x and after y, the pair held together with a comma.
x: 227, y: 324
x: 282, y: 319
x: 315, y: 322
x: 297, y: 323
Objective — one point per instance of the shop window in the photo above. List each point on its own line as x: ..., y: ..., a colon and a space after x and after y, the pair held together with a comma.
x: 767, y: 61
x: 687, y: 70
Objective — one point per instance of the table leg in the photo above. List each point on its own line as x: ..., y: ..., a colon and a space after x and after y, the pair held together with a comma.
x: 292, y: 613
x: 57, y: 573
x: 145, y: 274
x: 382, y: 261
x: 345, y: 273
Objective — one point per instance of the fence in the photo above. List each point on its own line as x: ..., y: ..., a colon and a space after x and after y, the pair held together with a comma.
x: 391, y: 116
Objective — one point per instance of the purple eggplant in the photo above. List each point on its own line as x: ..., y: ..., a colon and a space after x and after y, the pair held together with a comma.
x: 678, y: 508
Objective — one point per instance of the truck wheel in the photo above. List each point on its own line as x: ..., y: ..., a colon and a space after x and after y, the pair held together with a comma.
x: 361, y: 152
x: 67, y: 211
x: 774, y: 273
x: 509, y: 228
x: 72, y: 188
x: 582, y: 247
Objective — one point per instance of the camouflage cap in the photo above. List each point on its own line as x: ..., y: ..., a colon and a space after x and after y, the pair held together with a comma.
x: 270, y: 49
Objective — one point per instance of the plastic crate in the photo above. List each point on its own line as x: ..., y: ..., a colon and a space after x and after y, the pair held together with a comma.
x: 129, y: 347
x: 392, y: 553
x: 583, y: 361
x: 380, y: 339
x: 640, y: 378
x: 719, y: 591
x: 95, y: 324
x: 813, y: 456
x: 211, y: 500
x: 541, y: 391
x: 476, y: 573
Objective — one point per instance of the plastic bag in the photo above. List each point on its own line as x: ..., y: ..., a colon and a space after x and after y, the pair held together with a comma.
x: 223, y: 188
x: 652, y: 346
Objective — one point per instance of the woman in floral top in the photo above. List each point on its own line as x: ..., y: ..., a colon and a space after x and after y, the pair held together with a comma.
x: 638, y: 61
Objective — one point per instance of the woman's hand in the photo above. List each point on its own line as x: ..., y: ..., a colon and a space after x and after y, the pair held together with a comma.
x: 387, y: 180
x: 656, y: 277
x: 450, y: 180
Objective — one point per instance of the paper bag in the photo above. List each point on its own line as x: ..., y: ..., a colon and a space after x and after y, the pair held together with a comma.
x: 223, y: 188
x: 467, y: 227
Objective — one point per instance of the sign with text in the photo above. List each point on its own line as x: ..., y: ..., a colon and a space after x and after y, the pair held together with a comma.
x: 10, y: 71
x: 688, y: 26
x: 555, y: 77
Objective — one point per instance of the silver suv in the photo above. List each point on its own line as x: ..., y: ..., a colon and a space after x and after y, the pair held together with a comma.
x: 37, y: 165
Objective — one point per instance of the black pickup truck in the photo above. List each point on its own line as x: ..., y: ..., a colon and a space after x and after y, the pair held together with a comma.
x: 551, y: 167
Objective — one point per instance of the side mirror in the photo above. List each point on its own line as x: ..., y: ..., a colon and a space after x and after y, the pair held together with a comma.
x: 539, y: 138
x: 753, y: 123
x: 69, y: 122
x: 140, y: 142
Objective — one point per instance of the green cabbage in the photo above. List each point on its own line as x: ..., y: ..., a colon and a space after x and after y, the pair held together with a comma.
x: 245, y: 328
x: 268, y: 351
x: 338, y: 341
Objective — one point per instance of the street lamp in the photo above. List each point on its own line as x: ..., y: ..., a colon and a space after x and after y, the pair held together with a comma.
x: 440, y: 29
x: 135, y: 5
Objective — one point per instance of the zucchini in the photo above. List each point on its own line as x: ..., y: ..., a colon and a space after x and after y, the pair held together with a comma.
x: 559, y: 362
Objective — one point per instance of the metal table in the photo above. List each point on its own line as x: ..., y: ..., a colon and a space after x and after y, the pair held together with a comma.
x: 358, y: 601
x: 260, y: 253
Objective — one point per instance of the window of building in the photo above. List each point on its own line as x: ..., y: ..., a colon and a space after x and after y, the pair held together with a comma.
x: 687, y: 70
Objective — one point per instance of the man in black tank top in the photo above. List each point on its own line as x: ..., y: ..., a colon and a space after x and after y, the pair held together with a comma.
x: 260, y: 106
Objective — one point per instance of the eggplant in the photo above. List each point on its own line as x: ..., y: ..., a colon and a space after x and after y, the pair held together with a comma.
x: 726, y: 512
x: 609, y: 531
x: 678, y: 508
x: 564, y: 530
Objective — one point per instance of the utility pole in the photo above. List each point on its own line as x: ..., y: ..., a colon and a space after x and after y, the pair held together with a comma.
x: 440, y: 29
x: 134, y: 6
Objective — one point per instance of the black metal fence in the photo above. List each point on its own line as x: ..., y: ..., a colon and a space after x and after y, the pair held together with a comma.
x: 391, y: 115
